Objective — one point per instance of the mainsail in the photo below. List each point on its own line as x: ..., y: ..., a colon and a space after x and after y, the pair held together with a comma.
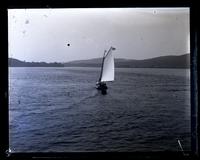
x: 107, y: 70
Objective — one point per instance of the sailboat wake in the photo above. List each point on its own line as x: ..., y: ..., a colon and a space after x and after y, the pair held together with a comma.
x: 83, y: 99
x: 93, y: 95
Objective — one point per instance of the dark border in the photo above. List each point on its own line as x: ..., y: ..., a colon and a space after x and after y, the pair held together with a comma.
x: 194, y: 74
x: 3, y: 82
x: 194, y: 33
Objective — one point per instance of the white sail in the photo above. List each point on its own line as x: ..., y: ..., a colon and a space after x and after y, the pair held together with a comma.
x: 108, y: 67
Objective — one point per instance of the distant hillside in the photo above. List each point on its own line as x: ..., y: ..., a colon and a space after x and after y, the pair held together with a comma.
x: 182, y: 61
x: 17, y: 63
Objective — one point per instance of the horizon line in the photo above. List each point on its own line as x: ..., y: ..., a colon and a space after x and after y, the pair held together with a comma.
x: 95, y: 58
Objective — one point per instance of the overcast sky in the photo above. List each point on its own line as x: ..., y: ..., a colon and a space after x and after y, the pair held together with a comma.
x: 136, y: 33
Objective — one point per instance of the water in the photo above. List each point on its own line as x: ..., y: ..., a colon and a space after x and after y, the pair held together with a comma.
x: 59, y: 110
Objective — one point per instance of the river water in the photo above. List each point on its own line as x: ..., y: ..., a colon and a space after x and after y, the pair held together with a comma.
x: 59, y: 110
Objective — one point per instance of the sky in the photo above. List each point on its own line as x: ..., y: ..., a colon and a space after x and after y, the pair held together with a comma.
x: 62, y: 35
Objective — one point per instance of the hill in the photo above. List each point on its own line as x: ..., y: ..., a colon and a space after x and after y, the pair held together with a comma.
x: 182, y: 61
x: 17, y: 63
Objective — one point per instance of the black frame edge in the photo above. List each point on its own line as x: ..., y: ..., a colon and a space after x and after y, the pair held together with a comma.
x: 4, y: 122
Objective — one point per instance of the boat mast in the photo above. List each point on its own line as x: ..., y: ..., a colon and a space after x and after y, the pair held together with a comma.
x: 102, y: 65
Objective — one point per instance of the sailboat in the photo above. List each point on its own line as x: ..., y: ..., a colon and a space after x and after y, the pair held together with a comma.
x: 107, y: 71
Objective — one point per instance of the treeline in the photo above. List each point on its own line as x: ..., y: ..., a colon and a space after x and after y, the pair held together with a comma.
x: 17, y: 63
x: 180, y: 61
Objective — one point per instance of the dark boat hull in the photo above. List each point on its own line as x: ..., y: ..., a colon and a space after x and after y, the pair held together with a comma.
x: 102, y: 87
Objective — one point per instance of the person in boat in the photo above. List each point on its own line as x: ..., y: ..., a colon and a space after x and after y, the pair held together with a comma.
x: 102, y: 86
